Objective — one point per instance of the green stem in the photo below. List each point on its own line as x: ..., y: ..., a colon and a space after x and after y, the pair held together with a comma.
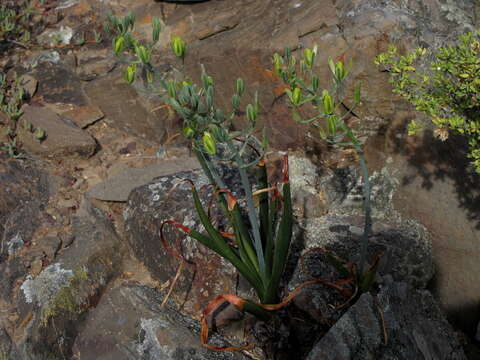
x: 252, y: 213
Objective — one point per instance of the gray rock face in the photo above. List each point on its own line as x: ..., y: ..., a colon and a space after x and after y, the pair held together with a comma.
x: 23, y: 193
x: 63, y: 291
x: 61, y: 138
x: 119, y: 186
x: 399, y: 323
x: 129, y: 323
x: 147, y: 208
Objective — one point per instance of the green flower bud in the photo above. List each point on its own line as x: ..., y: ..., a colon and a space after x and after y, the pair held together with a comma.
x: 315, y: 82
x: 194, y: 101
x: 328, y: 106
x: 296, y: 96
x: 156, y: 28
x: 172, y: 89
x: 277, y: 63
x: 179, y: 47
x: 209, y: 97
x: 240, y: 86
x: 188, y: 132
x: 309, y: 57
x: 206, y: 80
x: 357, y: 93
x: 150, y: 76
x: 216, y: 132
x: 251, y: 113
x: 235, y: 101
x: 129, y: 74
x: 331, y: 126
x: 119, y: 45
x: 143, y: 53
x: 209, y: 143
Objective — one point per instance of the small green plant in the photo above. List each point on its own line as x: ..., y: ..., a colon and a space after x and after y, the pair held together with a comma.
x: 322, y: 108
x: 446, y: 89
x: 257, y: 238
x: 15, y: 20
x: 97, y: 36
x: 12, y: 96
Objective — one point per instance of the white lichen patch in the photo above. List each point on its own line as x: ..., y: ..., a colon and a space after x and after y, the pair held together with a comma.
x: 46, y: 285
x: 303, y: 174
x: 15, y: 244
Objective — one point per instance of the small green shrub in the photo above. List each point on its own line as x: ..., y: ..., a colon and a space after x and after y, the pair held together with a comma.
x: 324, y: 109
x: 261, y: 234
x: 15, y: 20
x: 446, y: 89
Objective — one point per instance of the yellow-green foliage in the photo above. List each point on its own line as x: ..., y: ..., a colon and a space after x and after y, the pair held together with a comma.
x: 446, y: 88
x: 66, y: 299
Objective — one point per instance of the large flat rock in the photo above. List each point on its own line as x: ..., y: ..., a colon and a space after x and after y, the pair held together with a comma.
x: 119, y: 186
x: 61, y: 137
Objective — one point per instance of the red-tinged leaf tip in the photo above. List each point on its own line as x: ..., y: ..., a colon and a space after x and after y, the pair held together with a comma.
x: 182, y: 227
x: 286, y: 178
x: 214, y: 304
x: 231, y: 199
x: 227, y: 234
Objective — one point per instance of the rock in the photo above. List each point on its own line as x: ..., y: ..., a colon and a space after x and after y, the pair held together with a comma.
x: 92, y: 63
x: 126, y: 110
x: 477, y: 335
x: 57, y: 82
x: 119, y: 186
x: 66, y: 289
x: 24, y: 193
x: 220, y: 35
x: 398, y: 323
x: 53, y: 37
x: 84, y: 116
x: 147, y: 207
x: 129, y: 323
x: 29, y: 84
x: 62, y: 138
x: 405, y: 250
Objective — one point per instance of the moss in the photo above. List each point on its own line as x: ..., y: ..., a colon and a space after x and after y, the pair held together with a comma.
x: 66, y: 299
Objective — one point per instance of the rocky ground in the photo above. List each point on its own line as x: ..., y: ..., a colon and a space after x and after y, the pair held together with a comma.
x: 84, y: 274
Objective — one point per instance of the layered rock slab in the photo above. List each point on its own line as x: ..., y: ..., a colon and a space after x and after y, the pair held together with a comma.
x: 399, y: 323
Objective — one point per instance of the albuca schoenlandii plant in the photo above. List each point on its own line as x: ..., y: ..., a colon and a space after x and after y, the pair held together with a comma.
x: 446, y: 89
x: 324, y: 109
x: 259, y: 231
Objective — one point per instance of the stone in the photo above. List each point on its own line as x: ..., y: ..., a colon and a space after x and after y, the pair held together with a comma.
x: 84, y: 116
x: 67, y: 288
x: 57, y: 82
x: 23, y: 194
x: 147, y: 208
x: 398, y: 323
x: 92, y: 63
x: 29, y: 84
x: 404, y: 249
x: 231, y: 43
x: 54, y: 37
x: 119, y: 186
x: 127, y: 111
x: 62, y: 138
x: 130, y: 323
